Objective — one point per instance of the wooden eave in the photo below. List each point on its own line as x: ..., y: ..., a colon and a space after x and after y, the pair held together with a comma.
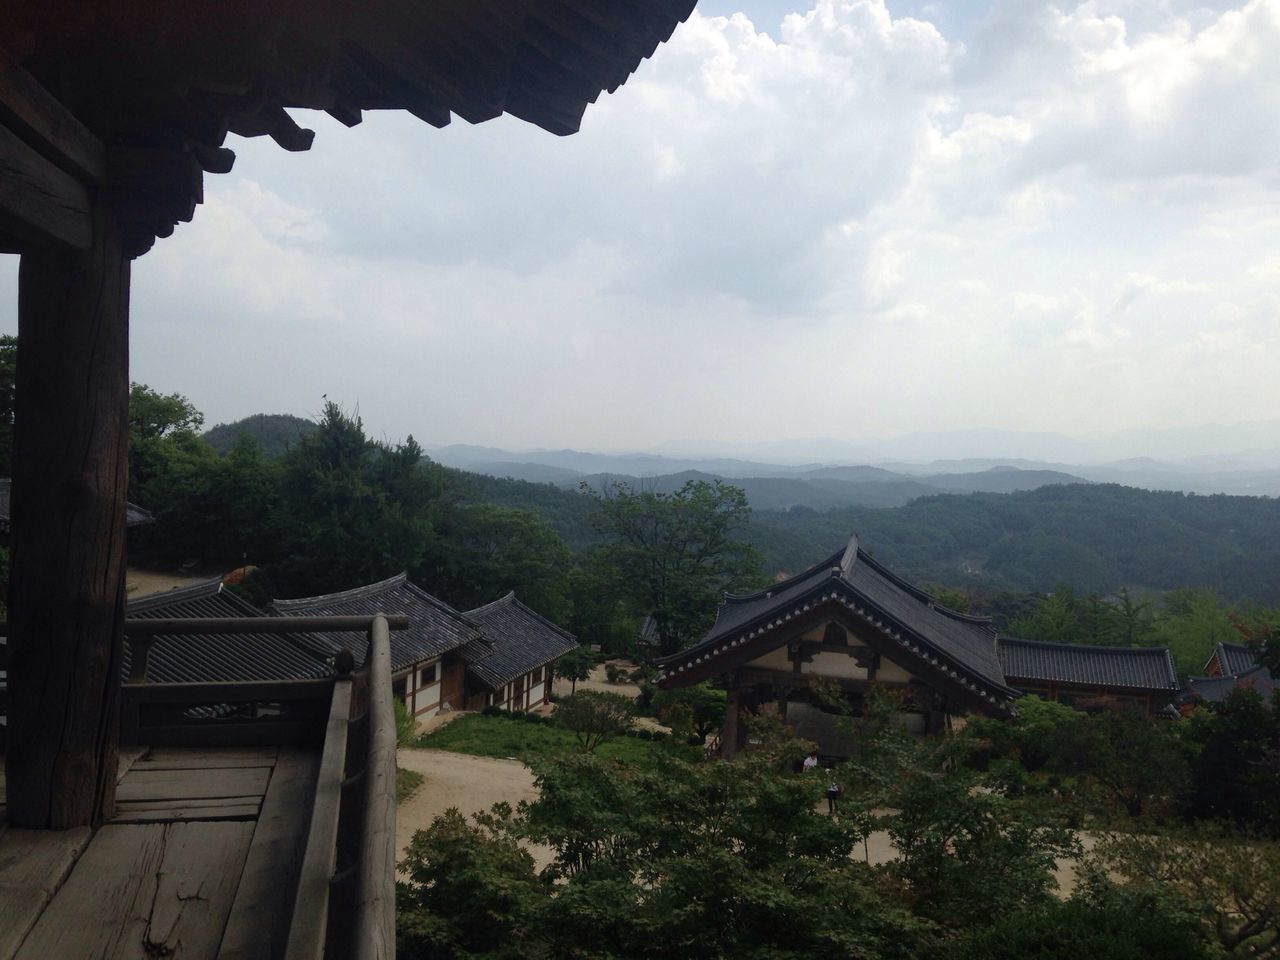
x: 161, y: 84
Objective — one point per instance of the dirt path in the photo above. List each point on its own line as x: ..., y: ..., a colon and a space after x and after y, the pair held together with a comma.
x: 143, y: 583
x: 471, y: 784
x: 598, y: 681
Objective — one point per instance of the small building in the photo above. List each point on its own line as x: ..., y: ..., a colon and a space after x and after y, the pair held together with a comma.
x: 1076, y: 674
x: 851, y: 624
x: 1229, y: 660
x: 429, y: 659
x: 1216, y: 689
x: 516, y: 675
x: 215, y: 657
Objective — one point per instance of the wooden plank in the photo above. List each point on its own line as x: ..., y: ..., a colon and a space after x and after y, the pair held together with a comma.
x: 226, y: 810
x: 309, y: 925
x: 229, y: 691
x: 176, y: 758
x: 39, y: 202
x: 145, y: 890
x: 33, y: 865
x: 194, y: 803
x: 190, y: 784
x: 46, y: 124
x: 67, y: 593
x: 258, y: 926
x: 222, y: 733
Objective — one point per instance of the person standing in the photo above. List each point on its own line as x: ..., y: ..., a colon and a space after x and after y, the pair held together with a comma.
x: 810, y: 761
x: 833, y: 794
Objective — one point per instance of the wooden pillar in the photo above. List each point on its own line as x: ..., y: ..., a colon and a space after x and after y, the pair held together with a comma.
x: 67, y: 585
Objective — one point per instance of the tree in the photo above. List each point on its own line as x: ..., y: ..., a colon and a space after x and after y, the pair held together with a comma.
x: 702, y: 704
x: 1137, y: 760
x: 675, y: 553
x: 574, y: 666
x: 162, y: 439
x: 1233, y: 885
x: 595, y: 717
x: 8, y: 397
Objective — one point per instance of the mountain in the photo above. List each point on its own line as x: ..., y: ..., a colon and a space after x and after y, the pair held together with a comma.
x: 274, y: 432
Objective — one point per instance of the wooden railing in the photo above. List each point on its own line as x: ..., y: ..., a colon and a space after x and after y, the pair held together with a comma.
x: 345, y: 901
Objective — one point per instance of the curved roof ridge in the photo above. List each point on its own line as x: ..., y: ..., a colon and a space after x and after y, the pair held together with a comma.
x: 831, y: 563
x: 507, y: 597
x: 435, y: 601
x: 924, y: 596
x: 1092, y: 647
x: 355, y: 593
x: 192, y: 591
x: 511, y: 598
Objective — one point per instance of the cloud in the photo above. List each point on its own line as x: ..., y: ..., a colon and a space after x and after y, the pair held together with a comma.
x: 846, y: 221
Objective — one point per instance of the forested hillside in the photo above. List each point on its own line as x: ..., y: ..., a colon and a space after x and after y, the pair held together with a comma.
x: 1095, y: 538
x: 274, y: 432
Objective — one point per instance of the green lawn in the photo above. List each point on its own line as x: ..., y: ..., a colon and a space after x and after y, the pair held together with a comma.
x: 489, y: 736
x: 407, y: 783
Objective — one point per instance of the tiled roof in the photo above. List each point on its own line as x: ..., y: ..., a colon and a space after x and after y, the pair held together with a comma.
x: 1216, y: 689
x: 218, y: 657
x: 134, y: 515
x: 1134, y: 668
x: 1233, y: 659
x: 435, y: 628
x: 959, y: 641
x: 522, y: 639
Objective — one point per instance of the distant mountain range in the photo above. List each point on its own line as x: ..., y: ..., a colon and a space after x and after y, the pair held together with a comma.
x: 886, y: 484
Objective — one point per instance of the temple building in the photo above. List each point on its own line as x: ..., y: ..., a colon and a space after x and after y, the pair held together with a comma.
x: 1082, y: 675
x: 429, y: 659
x: 851, y: 624
x: 517, y: 674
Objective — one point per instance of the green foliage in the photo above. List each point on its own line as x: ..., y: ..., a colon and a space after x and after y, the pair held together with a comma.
x: 1098, y: 538
x: 407, y: 784
x: 406, y: 725
x: 8, y: 398
x: 1102, y: 922
x: 699, y: 709
x: 675, y: 553
x: 574, y: 666
x: 506, y: 735
x: 470, y: 891
x: 274, y: 433
x: 1231, y: 884
x: 595, y: 717
x: 1236, y: 773
x: 963, y: 844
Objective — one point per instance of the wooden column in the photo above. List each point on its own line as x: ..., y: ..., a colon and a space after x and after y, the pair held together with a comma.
x: 66, y: 592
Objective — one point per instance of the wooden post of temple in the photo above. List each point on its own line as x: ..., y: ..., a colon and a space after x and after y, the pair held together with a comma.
x: 70, y: 478
x: 66, y: 595
x: 729, y: 736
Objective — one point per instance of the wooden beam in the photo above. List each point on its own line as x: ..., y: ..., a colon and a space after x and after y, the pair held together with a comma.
x: 139, y: 627
x: 67, y: 583
x: 41, y: 203
x: 40, y: 119
x: 376, y: 903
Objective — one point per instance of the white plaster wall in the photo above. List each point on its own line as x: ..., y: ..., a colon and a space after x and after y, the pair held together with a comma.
x: 891, y: 671
x: 775, y: 659
x: 835, y: 665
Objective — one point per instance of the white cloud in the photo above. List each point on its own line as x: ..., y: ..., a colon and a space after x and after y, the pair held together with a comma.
x: 1056, y: 221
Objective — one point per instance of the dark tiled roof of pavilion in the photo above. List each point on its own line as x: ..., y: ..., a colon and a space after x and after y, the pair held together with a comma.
x: 1132, y: 668
x: 522, y: 639
x: 435, y: 628
x: 1216, y: 689
x: 134, y: 515
x: 959, y: 642
x: 1233, y: 659
x: 218, y: 657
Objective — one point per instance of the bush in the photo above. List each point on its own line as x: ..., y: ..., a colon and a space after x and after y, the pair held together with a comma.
x: 595, y: 717
x: 406, y: 725
x: 613, y: 673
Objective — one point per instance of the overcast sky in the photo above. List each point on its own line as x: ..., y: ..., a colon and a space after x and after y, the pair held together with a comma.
x: 850, y: 221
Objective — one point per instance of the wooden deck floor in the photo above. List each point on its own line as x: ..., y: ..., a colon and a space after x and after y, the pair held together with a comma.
x: 200, y: 862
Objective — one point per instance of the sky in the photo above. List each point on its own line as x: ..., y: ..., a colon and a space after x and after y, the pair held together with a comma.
x: 852, y: 220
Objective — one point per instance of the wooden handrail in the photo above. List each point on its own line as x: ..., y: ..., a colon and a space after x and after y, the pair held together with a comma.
x: 138, y: 627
